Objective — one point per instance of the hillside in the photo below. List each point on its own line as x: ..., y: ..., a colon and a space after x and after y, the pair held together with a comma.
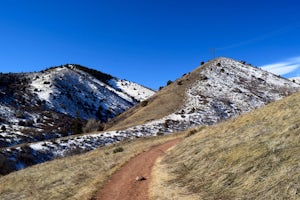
x: 43, y: 105
x: 74, y: 177
x: 218, y: 90
x: 56, y: 103
x: 254, y: 156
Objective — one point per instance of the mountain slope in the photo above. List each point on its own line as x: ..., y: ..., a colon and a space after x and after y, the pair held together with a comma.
x: 221, y: 89
x: 218, y: 90
x: 70, y: 89
x: 45, y: 105
x: 255, y: 156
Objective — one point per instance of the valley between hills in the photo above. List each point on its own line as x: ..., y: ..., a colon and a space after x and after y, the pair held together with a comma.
x: 239, y: 124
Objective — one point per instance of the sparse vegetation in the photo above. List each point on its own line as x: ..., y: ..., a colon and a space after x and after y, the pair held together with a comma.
x: 98, y: 75
x: 93, y: 125
x: 75, y: 177
x: 144, y: 103
x: 160, y: 134
x: 193, y: 131
x: 77, y: 124
x: 3, y: 128
x: 118, y: 150
x: 5, y: 165
x: 169, y: 82
x: 174, y: 92
x: 255, y: 156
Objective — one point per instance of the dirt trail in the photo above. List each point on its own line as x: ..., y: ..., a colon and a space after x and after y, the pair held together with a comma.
x: 123, y: 184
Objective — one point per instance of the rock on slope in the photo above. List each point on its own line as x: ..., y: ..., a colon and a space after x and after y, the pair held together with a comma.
x: 218, y: 90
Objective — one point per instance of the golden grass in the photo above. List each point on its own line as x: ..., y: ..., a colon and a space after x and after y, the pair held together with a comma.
x: 254, y: 156
x: 158, y: 189
x: 164, y: 102
x: 76, y: 177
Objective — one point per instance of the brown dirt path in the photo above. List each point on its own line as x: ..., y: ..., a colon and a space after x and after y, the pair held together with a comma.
x: 123, y: 184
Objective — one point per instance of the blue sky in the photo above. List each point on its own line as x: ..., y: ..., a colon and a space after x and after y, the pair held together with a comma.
x: 149, y: 42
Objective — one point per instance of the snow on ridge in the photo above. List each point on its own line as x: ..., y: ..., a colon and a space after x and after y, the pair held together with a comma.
x: 226, y: 88
x: 229, y: 89
x: 132, y: 89
x: 61, y: 86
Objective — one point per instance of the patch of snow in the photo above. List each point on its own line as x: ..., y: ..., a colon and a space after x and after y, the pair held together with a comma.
x: 134, y: 90
x: 71, y: 91
x: 226, y: 88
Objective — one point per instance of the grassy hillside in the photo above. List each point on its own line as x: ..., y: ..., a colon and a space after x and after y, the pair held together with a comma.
x: 164, y: 102
x: 255, y: 156
x: 75, y: 177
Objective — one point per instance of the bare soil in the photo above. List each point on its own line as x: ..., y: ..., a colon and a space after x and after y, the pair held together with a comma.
x: 123, y: 184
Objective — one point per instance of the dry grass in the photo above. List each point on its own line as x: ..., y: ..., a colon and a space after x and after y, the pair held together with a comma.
x: 255, y: 156
x: 160, y: 176
x: 76, y: 177
x: 163, y: 103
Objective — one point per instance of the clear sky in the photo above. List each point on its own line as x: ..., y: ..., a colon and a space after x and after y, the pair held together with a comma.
x: 149, y: 42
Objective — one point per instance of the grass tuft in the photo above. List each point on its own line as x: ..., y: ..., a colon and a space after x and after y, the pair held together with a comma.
x: 118, y: 150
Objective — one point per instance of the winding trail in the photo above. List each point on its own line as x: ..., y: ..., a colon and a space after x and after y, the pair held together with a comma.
x: 123, y: 184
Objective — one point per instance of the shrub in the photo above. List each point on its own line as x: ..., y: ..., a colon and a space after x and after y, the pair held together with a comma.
x: 77, y: 125
x: 20, y: 114
x: 191, y: 132
x: 169, y: 82
x: 203, y: 77
x: 194, y: 131
x: 26, y: 157
x: 3, y: 128
x: 22, y: 123
x: 202, y: 63
x: 29, y: 122
x: 6, y: 165
x: 160, y: 134
x: 144, y: 103
x: 222, y: 70
x: 93, y: 125
x: 118, y: 149
x: 219, y: 64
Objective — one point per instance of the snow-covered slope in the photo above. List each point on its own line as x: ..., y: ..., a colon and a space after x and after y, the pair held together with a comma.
x: 295, y: 79
x: 72, y: 91
x: 43, y: 105
x: 218, y: 90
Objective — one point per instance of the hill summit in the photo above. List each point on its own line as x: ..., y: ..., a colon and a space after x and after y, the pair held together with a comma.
x: 220, y: 89
x: 45, y: 105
